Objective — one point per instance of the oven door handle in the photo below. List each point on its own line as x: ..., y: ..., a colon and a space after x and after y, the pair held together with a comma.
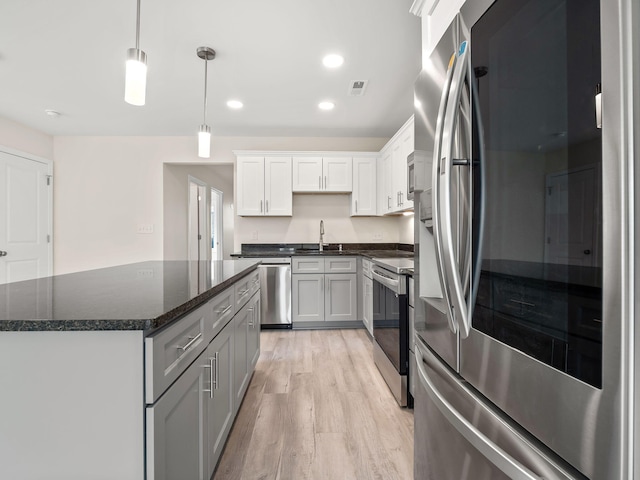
x: 490, y: 450
x: 386, y: 280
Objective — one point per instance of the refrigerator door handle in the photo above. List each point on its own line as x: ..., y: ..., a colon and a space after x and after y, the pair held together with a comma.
x: 437, y: 226
x: 459, y: 303
x: 496, y: 455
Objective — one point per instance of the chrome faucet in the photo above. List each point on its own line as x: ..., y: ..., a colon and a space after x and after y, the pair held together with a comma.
x: 321, y: 242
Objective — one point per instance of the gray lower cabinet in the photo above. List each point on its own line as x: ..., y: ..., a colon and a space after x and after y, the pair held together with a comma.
x: 188, y: 426
x: 324, y: 289
x: 307, y: 297
x: 253, y: 338
x: 367, y: 308
x: 188, y: 421
x: 340, y: 297
x: 174, y: 427
x: 219, y: 396
x: 246, y: 341
x: 240, y: 338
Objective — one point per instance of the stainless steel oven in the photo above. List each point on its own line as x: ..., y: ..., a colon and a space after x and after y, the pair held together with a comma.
x: 391, y: 326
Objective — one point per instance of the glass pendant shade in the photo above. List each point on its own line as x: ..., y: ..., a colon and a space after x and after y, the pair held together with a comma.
x: 136, y: 77
x: 204, y: 141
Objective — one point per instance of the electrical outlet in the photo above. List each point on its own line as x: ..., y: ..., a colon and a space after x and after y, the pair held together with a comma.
x: 145, y: 273
x: 145, y: 228
x: 377, y: 236
x: 254, y: 235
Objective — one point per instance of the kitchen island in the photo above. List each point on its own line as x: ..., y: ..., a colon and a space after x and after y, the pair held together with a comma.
x: 127, y: 372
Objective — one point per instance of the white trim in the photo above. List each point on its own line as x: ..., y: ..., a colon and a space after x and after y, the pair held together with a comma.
x: 49, y: 164
x: 304, y: 153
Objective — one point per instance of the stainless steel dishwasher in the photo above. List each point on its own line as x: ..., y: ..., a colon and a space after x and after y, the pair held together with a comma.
x: 275, y: 292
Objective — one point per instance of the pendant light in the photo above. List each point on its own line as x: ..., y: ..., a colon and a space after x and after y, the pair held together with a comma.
x: 135, y: 85
x: 204, y: 133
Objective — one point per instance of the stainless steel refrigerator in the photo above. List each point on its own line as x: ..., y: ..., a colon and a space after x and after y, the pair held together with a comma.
x: 523, y: 329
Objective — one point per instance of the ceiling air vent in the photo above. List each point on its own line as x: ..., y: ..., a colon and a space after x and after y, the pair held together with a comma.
x: 357, y: 87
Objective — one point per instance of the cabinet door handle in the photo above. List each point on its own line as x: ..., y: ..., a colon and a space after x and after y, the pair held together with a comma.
x: 217, y: 370
x: 389, y: 203
x: 401, y: 198
x: 3, y: 253
x: 356, y: 206
x: 267, y: 209
x: 325, y: 182
x: 260, y: 206
x: 319, y: 182
x: 210, y: 367
x: 192, y: 340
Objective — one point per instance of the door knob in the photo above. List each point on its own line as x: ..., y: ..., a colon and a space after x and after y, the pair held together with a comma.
x: 587, y: 252
x: 3, y: 253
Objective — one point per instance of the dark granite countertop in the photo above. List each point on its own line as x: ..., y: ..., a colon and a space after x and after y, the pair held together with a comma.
x: 138, y: 296
x: 370, y: 250
x: 545, y: 273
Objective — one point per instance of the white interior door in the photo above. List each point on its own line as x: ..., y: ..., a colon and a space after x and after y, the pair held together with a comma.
x: 199, y: 231
x: 25, y: 218
x: 571, y: 233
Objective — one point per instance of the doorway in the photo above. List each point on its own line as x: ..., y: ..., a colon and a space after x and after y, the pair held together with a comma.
x: 198, y: 236
x: 216, y: 225
x: 26, y: 247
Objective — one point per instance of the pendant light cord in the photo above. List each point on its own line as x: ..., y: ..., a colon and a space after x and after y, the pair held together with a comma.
x: 204, y: 113
x: 138, y: 27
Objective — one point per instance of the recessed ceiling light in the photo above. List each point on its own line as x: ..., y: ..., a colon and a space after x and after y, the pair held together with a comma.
x: 333, y: 60
x: 52, y: 113
x: 234, y: 104
x: 326, y: 105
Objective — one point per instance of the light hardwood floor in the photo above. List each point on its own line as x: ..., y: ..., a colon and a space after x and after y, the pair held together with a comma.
x: 317, y: 408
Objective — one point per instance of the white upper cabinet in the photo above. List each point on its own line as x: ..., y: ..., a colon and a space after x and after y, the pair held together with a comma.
x: 364, y: 195
x: 264, y: 186
x: 393, y: 186
x: 307, y: 174
x: 322, y: 174
x: 277, y: 186
x: 337, y: 174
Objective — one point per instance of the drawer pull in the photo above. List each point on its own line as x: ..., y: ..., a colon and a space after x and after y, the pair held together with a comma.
x: 244, y: 292
x: 222, y: 312
x: 192, y: 340
x: 520, y: 302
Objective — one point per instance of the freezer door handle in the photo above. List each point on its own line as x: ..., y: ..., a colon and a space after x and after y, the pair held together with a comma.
x: 496, y: 455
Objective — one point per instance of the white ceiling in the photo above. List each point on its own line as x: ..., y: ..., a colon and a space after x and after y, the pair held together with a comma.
x: 69, y: 56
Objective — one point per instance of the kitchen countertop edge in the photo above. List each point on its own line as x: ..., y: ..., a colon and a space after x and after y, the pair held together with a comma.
x: 147, y: 325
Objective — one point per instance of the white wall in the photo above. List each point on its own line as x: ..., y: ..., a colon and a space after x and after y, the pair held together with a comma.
x: 304, y: 225
x: 106, y: 186
x: 19, y: 137
x: 405, y: 223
